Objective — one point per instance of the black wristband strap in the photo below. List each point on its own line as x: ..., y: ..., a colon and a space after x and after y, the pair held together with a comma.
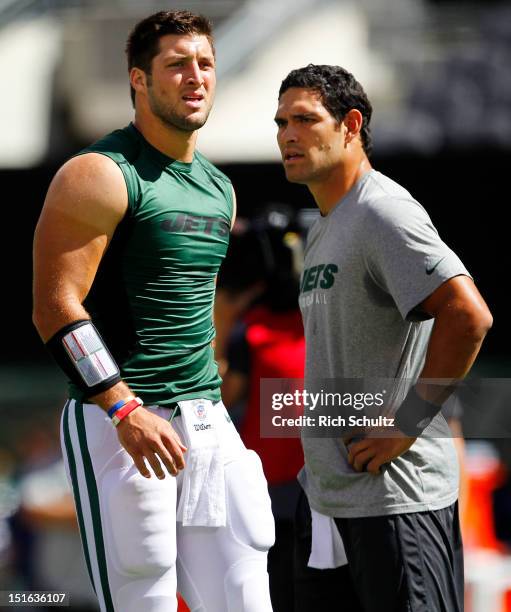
x: 81, y: 353
x: 415, y: 414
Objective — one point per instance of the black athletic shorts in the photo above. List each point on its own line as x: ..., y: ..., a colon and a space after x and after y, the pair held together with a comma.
x: 400, y: 563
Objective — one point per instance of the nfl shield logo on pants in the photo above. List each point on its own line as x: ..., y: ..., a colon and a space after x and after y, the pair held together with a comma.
x: 200, y: 411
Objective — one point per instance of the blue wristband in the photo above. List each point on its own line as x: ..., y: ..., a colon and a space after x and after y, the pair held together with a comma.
x: 117, y: 405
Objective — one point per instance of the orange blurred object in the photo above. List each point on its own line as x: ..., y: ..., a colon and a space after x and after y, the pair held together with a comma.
x: 488, y: 557
x: 485, y: 473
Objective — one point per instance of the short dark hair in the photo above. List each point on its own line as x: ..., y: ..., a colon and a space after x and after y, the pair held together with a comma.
x: 144, y: 40
x: 339, y: 92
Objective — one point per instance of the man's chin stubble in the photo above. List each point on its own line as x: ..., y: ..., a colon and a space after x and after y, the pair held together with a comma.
x: 300, y: 180
x: 179, y: 122
x: 183, y: 125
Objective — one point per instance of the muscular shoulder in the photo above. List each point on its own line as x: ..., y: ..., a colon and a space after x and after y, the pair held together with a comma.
x: 91, y: 187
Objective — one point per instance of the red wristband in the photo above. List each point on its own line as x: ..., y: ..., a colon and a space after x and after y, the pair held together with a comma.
x: 123, y: 412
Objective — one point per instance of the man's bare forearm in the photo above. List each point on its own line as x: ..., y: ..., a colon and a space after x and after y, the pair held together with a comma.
x: 462, y: 320
x: 50, y: 314
x: 454, y: 344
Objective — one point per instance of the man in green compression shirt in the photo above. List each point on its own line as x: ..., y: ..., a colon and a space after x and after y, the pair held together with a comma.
x: 126, y: 252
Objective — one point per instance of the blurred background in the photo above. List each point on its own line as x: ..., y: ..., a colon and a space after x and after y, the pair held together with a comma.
x: 437, y: 73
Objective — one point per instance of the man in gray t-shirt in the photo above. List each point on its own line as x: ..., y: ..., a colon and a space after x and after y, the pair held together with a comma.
x: 382, y: 296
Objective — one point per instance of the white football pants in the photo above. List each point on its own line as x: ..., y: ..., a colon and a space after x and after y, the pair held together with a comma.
x: 137, y: 555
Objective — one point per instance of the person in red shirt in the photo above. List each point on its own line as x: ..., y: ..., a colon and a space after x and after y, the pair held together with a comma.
x: 259, y: 283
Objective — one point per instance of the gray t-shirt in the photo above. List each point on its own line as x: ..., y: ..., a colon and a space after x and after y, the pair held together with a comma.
x: 368, y: 264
